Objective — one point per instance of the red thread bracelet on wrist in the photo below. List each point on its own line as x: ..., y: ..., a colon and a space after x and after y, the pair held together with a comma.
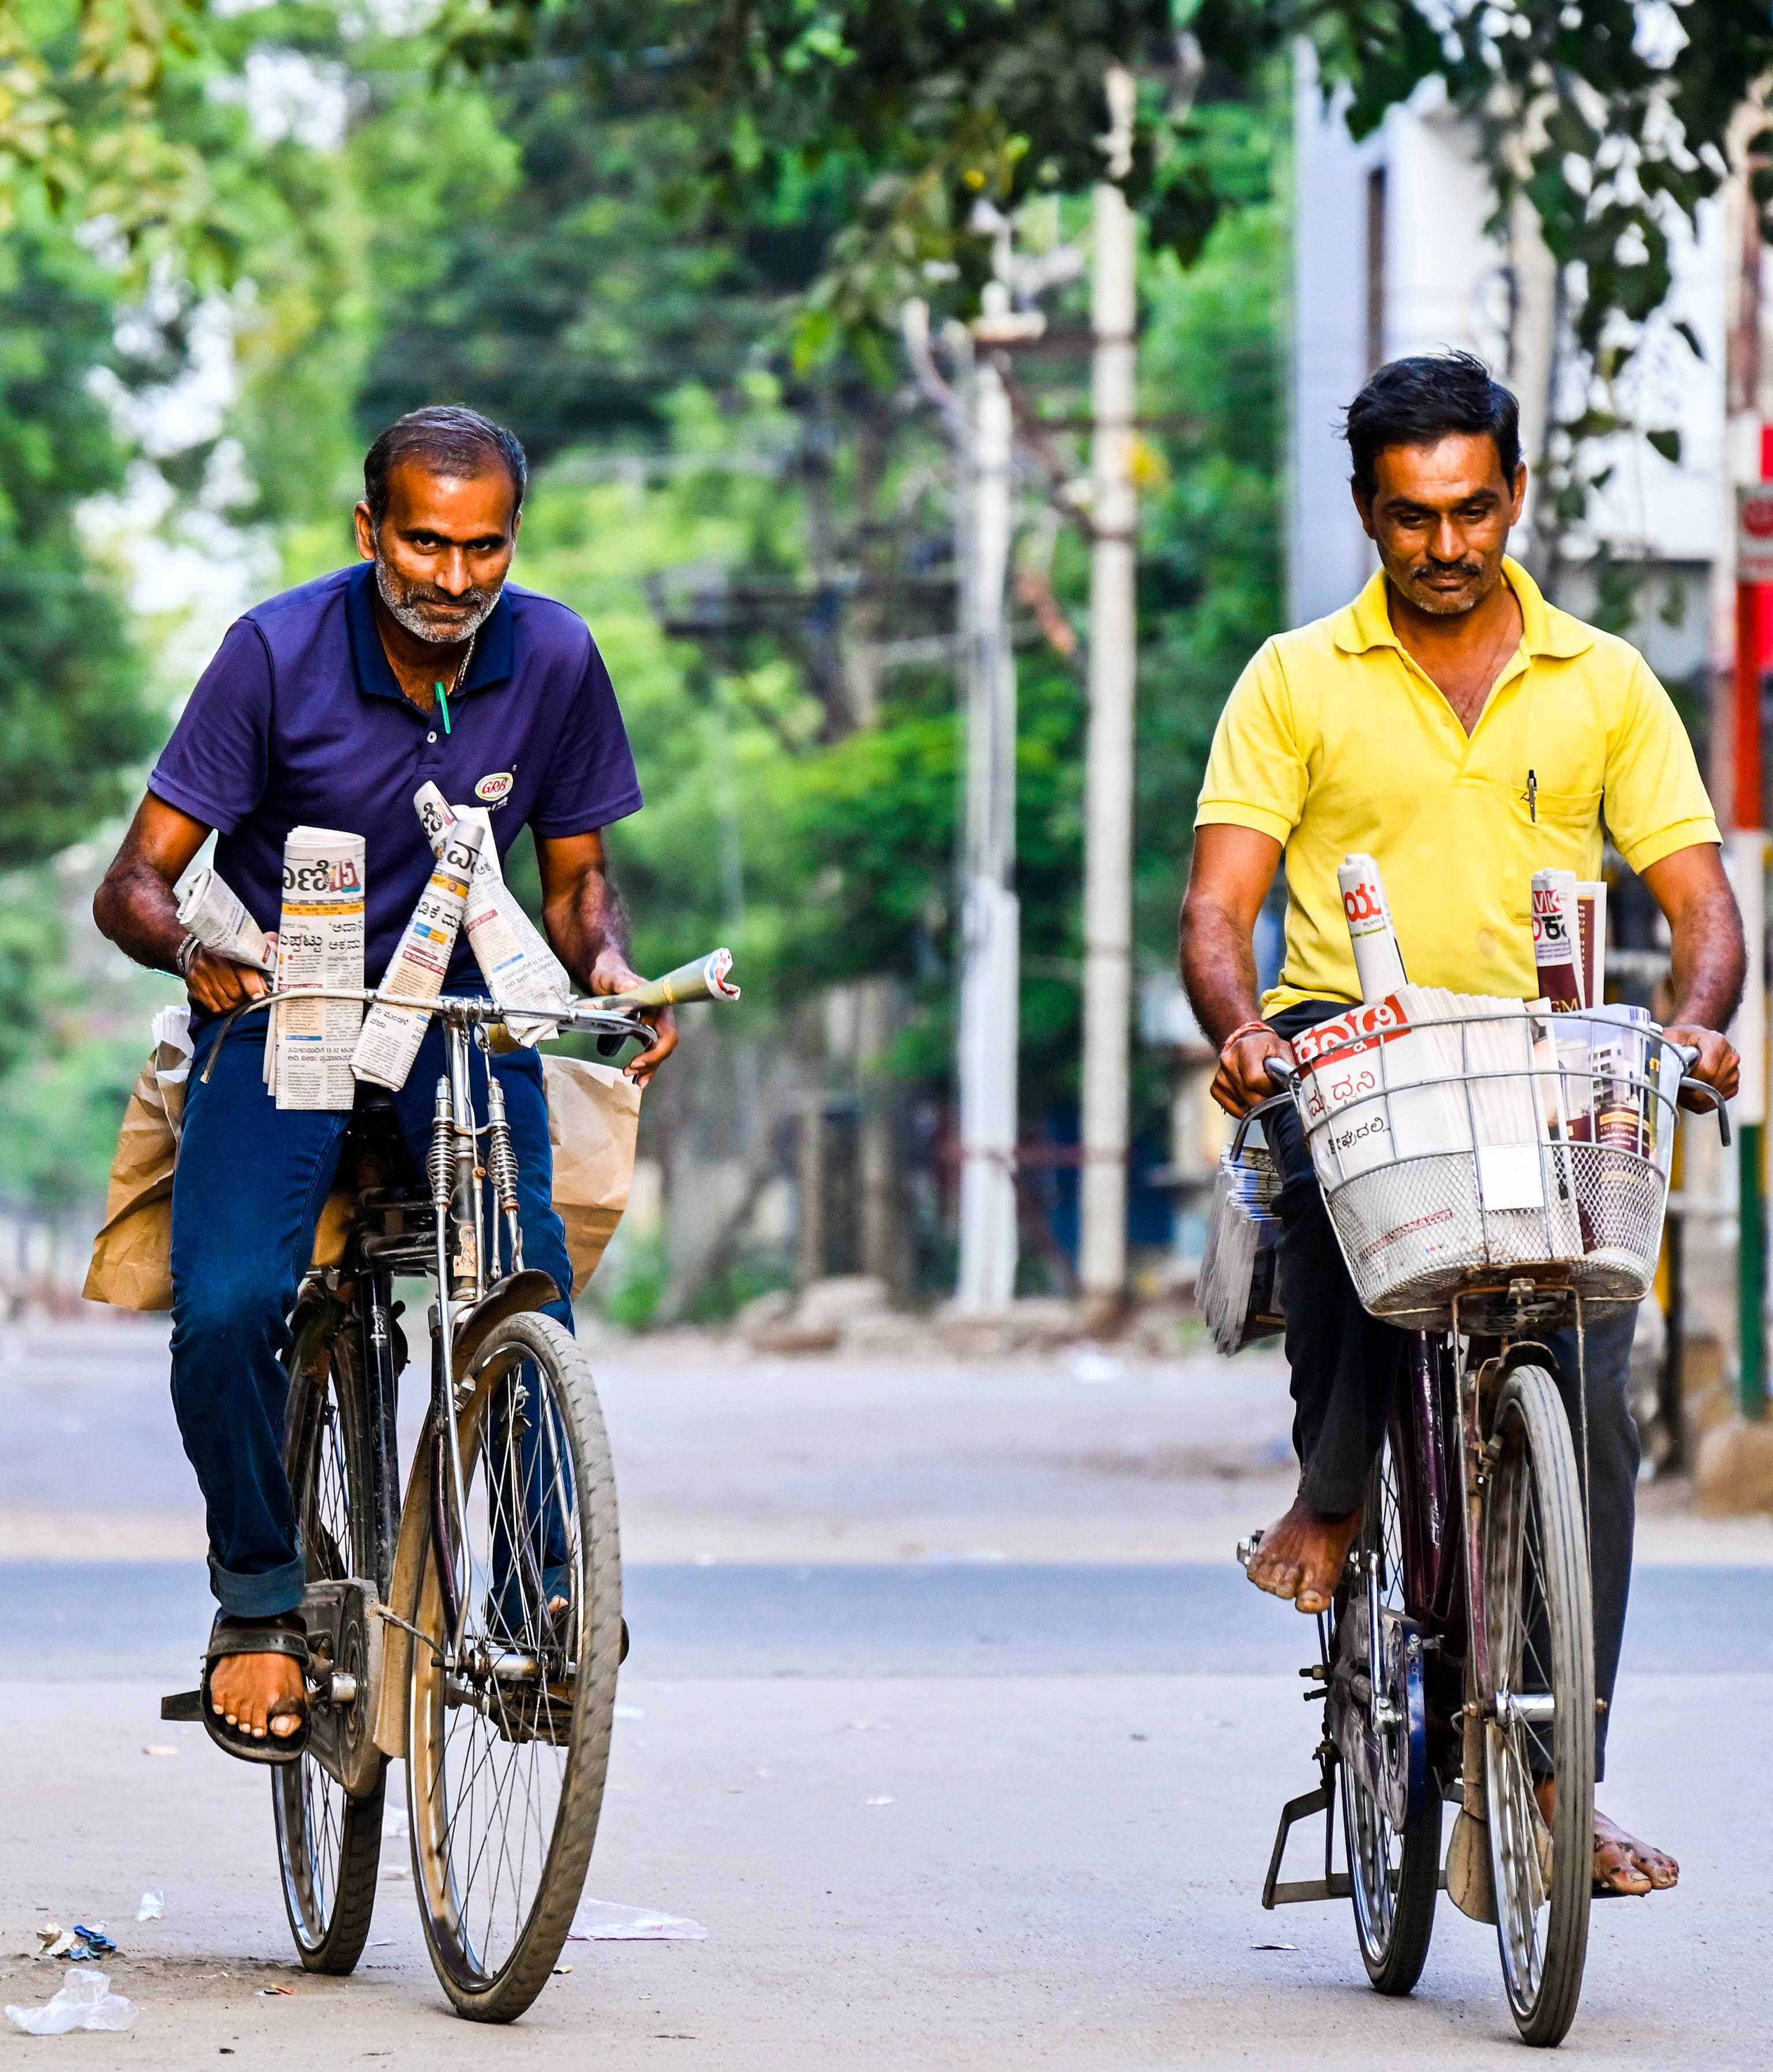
x: 1243, y: 1030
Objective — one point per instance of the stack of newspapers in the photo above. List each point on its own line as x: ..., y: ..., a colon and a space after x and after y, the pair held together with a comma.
x: 1422, y: 1071
x: 1238, y: 1289
x: 1458, y: 1096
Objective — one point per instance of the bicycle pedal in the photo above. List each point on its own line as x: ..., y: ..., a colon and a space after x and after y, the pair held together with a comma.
x: 1247, y: 1546
x: 183, y: 1705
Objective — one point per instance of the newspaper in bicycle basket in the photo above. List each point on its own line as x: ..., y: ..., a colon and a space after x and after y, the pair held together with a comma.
x: 1456, y: 1136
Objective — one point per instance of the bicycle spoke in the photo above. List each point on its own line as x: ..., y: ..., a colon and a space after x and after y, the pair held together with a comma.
x: 497, y: 1772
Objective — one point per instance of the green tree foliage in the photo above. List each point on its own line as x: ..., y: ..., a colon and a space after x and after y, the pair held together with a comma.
x: 84, y: 89
x: 1610, y: 119
x: 72, y: 715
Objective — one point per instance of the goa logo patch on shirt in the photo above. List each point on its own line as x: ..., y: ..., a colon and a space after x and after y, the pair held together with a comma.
x: 494, y: 790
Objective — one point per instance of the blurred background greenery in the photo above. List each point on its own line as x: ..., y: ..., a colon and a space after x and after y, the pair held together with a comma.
x: 735, y: 483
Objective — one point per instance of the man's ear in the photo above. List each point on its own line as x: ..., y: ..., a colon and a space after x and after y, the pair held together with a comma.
x: 1520, y: 493
x: 366, y: 533
x: 1364, y: 504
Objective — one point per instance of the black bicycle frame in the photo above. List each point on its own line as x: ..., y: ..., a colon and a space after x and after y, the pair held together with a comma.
x: 382, y: 1379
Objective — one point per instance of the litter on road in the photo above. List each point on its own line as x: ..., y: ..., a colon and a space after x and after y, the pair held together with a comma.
x: 152, y: 1906
x: 881, y: 1801
x: 603, y: 1921
x: 85, y: 2002
x: 158, y: 1748
x: 1274, y: 1946
x: 79, y: 1944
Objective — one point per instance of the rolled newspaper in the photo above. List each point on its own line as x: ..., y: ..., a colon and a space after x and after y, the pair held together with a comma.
x: 1554, y: 940
x: 319, y: 942
x: 217, y: 916
x: 704, y: 978
x: 1379, y: 963
x: 519, y: 968
x: 391, y: 1035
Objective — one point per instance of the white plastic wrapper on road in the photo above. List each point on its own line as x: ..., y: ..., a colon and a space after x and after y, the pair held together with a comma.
x: 85, y: 2002
x: 603, y: 1921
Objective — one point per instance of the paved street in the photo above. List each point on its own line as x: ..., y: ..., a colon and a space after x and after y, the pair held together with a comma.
x: 998, y: 1599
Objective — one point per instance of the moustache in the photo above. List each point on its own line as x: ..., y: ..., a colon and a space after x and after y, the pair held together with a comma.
x: 1465, y: 571
x: 423, y: 596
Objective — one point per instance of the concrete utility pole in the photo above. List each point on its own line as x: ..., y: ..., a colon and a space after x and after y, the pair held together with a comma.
x: 991, y: 919
x: 1108, y: 850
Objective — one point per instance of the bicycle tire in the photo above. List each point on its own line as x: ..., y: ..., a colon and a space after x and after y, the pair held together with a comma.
x: 1393, y: 1874
x: 329, y: 1844
x: 551, y: 1722
x: 1539, y: 1617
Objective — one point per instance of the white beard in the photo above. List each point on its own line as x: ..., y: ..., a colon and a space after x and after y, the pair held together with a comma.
x: 412, y: 618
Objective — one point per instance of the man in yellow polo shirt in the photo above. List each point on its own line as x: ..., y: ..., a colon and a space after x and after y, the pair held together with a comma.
x: 1452, y: 724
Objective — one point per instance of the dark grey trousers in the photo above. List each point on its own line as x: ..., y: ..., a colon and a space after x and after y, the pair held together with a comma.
x: 1345, y: 1366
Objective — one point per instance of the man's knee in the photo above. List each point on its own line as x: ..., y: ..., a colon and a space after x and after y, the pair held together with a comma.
x: 238, y: 1314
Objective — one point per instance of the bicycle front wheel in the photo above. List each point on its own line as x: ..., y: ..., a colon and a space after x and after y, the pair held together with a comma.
x: 509, y: 1732
x: 329, y: 1844
x: 1393, y: 1866
x: 1539, y: 1736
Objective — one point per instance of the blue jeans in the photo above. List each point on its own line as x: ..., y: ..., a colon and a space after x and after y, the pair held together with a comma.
x: 249, y: 1186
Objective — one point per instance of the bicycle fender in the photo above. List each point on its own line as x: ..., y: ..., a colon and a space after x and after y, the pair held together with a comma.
x: 531, y: 1289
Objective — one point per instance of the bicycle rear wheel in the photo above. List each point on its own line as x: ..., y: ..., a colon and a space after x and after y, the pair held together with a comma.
x: 508, y: 1735
x: 1393, y: 1868
x: 329, y: 1844
x: 1539, y: 1705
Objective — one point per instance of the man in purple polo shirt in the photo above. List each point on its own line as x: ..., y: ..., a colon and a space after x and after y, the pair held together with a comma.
x: 329, y: 706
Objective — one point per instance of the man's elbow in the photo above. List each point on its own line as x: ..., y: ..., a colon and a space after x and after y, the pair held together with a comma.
x: 1204, y: 915
x: 105, y: 904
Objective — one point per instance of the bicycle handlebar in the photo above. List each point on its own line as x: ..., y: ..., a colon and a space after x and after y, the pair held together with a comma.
x: 614, y: 1015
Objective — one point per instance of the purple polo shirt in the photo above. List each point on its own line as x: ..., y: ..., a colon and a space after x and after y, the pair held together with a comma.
x: 298, y: 721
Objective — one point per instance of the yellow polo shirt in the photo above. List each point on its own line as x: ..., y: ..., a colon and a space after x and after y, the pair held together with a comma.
x: 1334, y: 742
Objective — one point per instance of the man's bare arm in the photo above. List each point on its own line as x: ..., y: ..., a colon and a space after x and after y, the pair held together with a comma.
x: 1228, y: 881
x: 583, y: 915
x: 135, y: 906
x: 1709, y: 958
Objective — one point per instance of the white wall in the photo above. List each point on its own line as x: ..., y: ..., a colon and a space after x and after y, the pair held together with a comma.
x: 1328, y: 558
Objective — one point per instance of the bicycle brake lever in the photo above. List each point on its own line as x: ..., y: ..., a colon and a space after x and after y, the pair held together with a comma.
x: 1717, y: 1104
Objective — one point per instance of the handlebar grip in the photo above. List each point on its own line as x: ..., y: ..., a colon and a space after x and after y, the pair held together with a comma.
x: 703, y: 978
x: 1280, y: 1072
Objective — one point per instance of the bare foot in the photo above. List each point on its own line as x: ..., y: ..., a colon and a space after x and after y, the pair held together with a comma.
x: 258, y: 1693
x: 1302, y: 1556
x: 1623, y: 1863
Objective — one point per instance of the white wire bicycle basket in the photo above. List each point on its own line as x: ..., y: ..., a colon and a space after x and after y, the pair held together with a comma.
x: 1453, y: 1151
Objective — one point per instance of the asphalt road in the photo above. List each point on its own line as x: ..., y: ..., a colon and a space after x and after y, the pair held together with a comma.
x: 145, y: 1620
x: 947, y: 1873
x: 941, y: 1800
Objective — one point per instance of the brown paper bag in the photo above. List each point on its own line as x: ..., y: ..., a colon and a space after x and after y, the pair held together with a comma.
x: 132, y: 1254
x: 594, y: 1118
x: 594, y: 1115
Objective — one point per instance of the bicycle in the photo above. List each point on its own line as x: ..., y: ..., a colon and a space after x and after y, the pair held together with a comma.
x: 1457, y: 1663
x: 474, y: 1628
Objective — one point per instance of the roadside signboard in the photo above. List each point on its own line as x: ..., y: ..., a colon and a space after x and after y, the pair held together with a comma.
x: 1755, y: 532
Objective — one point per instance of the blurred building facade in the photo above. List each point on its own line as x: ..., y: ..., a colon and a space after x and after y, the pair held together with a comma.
x: 1395, y: 253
